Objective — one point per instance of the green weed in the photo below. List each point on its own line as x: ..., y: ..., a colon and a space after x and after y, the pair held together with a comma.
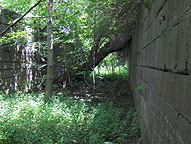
x: 140, y: 90
x: 25, y: 118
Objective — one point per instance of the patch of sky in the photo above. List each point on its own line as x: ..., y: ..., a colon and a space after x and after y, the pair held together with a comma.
x: 64, y: 29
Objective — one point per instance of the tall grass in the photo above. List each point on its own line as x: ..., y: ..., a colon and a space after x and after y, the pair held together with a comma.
x: 109, y: 70
x: 25, y: 118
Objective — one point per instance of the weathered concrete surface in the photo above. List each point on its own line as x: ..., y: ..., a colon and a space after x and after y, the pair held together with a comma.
x: 16, y: 69
x: 161, y: 68
x: 14, y: 60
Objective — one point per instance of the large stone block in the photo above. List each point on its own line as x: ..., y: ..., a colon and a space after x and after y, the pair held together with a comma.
x: 173, y: 89
x: 186, y: 97
x: 145, y: 39
x: 166, y: 122
x: 148, y: 55
x: 164, y: 108
x: 156, y: 28
x: 182, y: 47
x: 189, y: 47
x: 165, y: 81
x: 9, y: 65
x: 183, y: 130
x: 152, y: 100
x: 181, y: 8
x: 171, y: 49
x: 158, y: 54
x: 170, y: 13
x: 164, y: 52
x: 155, y: 80
x: 152, y: 56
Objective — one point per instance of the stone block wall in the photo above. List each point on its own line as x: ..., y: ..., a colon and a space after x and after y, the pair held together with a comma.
x: 14, y: 60
x: 160, y: 71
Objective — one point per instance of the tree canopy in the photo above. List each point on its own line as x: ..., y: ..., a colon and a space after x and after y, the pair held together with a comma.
x: 86, y: 31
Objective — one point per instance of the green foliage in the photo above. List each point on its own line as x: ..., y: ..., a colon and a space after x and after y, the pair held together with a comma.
x: 76, y: 26
x: 147, y: 4
x: 157, y: 13
x: 18, y: 6
x: 140, y: 90
x: 113, y: 64
x: 25, y: 118
x: 137, y: 51
x: 18, y: 38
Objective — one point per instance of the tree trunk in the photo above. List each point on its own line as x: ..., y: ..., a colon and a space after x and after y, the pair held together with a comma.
x: 105, y: 51
x: 96, y: 57
x: 50, y: 74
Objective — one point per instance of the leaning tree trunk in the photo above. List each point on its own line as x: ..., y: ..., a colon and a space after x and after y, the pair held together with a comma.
x: 103, y: 52
x: 95, y: 58
x: 50, y: 74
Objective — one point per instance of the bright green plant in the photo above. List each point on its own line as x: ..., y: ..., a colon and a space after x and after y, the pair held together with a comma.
x: 25, y: 118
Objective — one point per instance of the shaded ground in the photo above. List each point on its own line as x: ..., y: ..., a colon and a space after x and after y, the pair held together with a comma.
x: 114, y: 89
x: 110, y: 88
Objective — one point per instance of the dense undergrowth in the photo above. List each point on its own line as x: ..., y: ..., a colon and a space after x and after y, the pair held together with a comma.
x: 25, y: 118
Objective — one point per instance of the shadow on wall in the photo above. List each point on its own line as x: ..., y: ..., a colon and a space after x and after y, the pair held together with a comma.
x: 15, y: 59
x: 161, y: 72
x: 12, y: 68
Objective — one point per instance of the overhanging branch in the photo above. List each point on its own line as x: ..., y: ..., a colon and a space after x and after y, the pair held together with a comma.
x: 18, y: 19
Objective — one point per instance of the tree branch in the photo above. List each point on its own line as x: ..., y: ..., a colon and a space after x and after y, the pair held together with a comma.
x: 18, y: 19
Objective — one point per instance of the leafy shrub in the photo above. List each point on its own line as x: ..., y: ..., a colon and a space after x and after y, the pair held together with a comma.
x: 25, y: 118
